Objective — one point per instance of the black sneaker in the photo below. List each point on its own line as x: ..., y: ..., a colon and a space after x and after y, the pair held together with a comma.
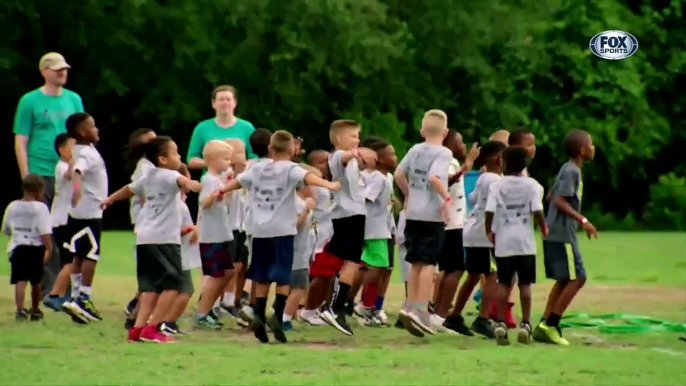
x: 130, y: 306
x: 170, y: 328
x: 258, y: 328
x: 432, y: 308
x: 276, y: 328
x: 21, y: 315
x: 245, y: 299
x: 349, y: 308
x: 399, y: 324
x: 129, y: 323
x: 36, y: 316
x: 336, y: 321
x: 456, y: 323
x: 231, y: 310
x: 213, y: 314
x: 483, y: 327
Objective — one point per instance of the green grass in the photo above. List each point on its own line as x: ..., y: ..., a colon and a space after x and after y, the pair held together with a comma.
x: 638, y: 273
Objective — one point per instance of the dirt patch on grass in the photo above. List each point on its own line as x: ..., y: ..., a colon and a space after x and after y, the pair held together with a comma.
x: 321, y: 345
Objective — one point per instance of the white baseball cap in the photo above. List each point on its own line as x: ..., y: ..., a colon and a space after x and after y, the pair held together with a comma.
x: 53, y: 61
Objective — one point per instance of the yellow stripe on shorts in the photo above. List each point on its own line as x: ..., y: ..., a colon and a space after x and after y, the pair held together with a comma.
x: 571, y: 265
x: 494, y: 267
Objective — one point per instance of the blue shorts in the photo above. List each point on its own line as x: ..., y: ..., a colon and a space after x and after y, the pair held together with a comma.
x: 271, y: 260
x: 562, y: 261
x: 216, y: 259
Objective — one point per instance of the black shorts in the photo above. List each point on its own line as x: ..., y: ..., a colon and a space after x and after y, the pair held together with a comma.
x: 523, y: 266
x: 186, y: 283
x: 423, y: 241
x: 62, y: 238
x: 238, y: 249
x: 479, y: 261
x: 216, y: 258
x: 272, y: 260
x: 452, y: 253
x: 26, y: 264
x: 347, y: 241
x: 158, y: 267
x: 84, y: 237
x: 563, y: 261
x: 391, y: 252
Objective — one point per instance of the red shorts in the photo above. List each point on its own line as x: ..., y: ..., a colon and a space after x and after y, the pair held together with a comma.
x: 325, y: 264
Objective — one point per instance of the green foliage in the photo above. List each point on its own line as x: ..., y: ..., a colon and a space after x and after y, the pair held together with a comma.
x: 300, y: 64
x: 667, y: 206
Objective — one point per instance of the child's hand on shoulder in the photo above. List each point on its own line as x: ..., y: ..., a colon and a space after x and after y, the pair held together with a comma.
x: 194, y: 186
x: 334, y: 186
x: 367, y: 156
x: 310, y: 203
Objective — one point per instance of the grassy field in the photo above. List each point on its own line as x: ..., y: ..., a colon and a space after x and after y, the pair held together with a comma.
x: 637, y: 273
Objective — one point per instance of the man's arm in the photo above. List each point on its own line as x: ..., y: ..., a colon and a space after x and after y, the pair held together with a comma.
x: 23, y: 123
x: 20, y: 143
x: 195, y: 160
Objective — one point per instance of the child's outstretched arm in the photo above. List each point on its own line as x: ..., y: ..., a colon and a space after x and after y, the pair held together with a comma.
x: 185, y: 182
x: 312, y: 179
x: 232, y: 185
x: 124, y: 193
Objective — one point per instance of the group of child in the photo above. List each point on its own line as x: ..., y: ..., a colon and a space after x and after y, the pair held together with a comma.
x: 319, y: 231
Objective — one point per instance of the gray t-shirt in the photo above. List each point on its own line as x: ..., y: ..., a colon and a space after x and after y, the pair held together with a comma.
x: 304, y: 240
x: 512, y: 200
x: 321, y: 216
x: 349, y: 201
x: 391, y: 218
x: 213, y: 221
x: 568, y: 184
x: 421, y: 162
x: 236, y: 209
x: 64, y: 189
x: 247, y: 220
x: 25, y: 222
x: 378, y: 203
x: 142, y: 168
x: 474, y: 232
x: 190, y: 253
x: 160, y: 220
x: 271, y: 197
x: 400, y: 237
x: 89, y: 163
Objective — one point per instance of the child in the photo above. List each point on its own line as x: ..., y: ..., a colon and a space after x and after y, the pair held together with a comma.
x: 377, y: 231
x: 271, y: 188
x: 512, y: 203
x: 451, y: 259
x: 348, y: 214
x: 422, y: 176
x: 27, y: 222
x: 189, y: 253
x: 561, y: 254
x: 215, y: 232
x: 141, y: 166
x: 324, y: 266
x: 302, y: 253
x: 390, y: 244
x: 259, y: 143
x: 478, y: 248
x: 59, y: 215
x: 158, y: 240
x: 231, y: 301
x: 405, y: 267
x: 89, y: 182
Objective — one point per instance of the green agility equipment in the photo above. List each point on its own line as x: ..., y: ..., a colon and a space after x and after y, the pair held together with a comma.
x: 632, y: 324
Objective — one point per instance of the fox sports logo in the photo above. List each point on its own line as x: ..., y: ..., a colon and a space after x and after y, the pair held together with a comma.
x: 614, y: 45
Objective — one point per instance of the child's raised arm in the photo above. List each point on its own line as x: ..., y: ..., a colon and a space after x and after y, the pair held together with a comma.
x: 124, y: 193
x: 312, y: 179
x: 185, y: 182
x: 232, y: 185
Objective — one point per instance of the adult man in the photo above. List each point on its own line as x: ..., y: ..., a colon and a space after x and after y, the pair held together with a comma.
x: 40, y: 117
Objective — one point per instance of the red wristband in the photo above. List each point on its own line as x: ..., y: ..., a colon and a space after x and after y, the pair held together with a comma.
x: 544, y: 228
x: 583, y: 221
x: 447, y: 199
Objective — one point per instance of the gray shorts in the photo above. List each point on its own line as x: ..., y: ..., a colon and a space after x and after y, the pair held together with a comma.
x: 563, y: 261
x: 186, y: 283
x: 300, y: 279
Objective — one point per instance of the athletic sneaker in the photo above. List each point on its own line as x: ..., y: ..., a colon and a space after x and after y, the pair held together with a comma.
x: 547, y: 334
x: 130, y: 306
x: 214, y: 313
x: 21, y: 315
x: 432, y: 308
x: 170, y: 328
x: 287, y: 325
x: 311, y: 317
x: 382, y: 317
x: 231, y: 310
x: 500, y: 332
x: 86, y: 307
x: 510, y: 321
x: 437, y: 323
x: 71, y: 309
x: 258, y: 328
x: 36, y: 315
x: 129, y: 323
x: 152, y: 334
x: 277, y: 329
x: 54, y: 304
x: 483, y: 327
x: 336, y: 321
x: 422, y: 318
x: 457, y: 324
x: 245, y: 299
x: 524, y: 334
x: 247, y: 314
x: 349, y: 308
x: 365, y: 316
x: 407, y: 323
x: 208, y: 322
x: 399, y: 323
x: 135, y: 334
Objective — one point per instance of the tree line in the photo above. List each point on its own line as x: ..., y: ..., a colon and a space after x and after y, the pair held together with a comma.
x: 489, y: 64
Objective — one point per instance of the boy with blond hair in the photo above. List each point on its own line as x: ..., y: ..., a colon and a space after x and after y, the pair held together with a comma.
x: 422, y: 176
x: 273, y: 226
x: 348, y: 213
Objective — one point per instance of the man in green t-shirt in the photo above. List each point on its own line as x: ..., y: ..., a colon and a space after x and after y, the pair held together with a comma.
x: 40, y: 117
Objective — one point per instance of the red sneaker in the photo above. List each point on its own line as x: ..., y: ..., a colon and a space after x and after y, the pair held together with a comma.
x: 150, y: 333
x: 509, y: 319
x: 135, y: 334
x: 493, y: 313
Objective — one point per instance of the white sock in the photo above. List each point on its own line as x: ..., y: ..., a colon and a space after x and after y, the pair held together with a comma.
x: 86, y: 290
x: 75, y: 285
x: 229, y: 299
x: 286, y: 317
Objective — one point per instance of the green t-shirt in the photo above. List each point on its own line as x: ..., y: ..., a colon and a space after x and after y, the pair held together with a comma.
x: 208, y: 130
x: 41, y: 118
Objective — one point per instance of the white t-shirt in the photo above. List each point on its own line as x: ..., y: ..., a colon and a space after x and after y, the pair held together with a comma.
x: 25, y: 222
x: 213, y: 221
x: 322, y: 216
x: 64, y: 190
x: 89, y: 163
x: 457, y: 196
x: 190, y: 253
x: 474, y: 234
x: 378, y: 205
x: 142, y: 168
x: 512, y: 200
x: 304, y: 240
x: 349, y: 201
x: 160, y: 220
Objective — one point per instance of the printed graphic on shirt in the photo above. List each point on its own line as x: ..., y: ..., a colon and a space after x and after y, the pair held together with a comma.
x: 25, y: 222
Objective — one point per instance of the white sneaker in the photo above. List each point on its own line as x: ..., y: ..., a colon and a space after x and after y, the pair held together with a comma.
x: 311, y: 317
x: 383, y: 318
x: 437, y: 322
x: 247, y: 314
